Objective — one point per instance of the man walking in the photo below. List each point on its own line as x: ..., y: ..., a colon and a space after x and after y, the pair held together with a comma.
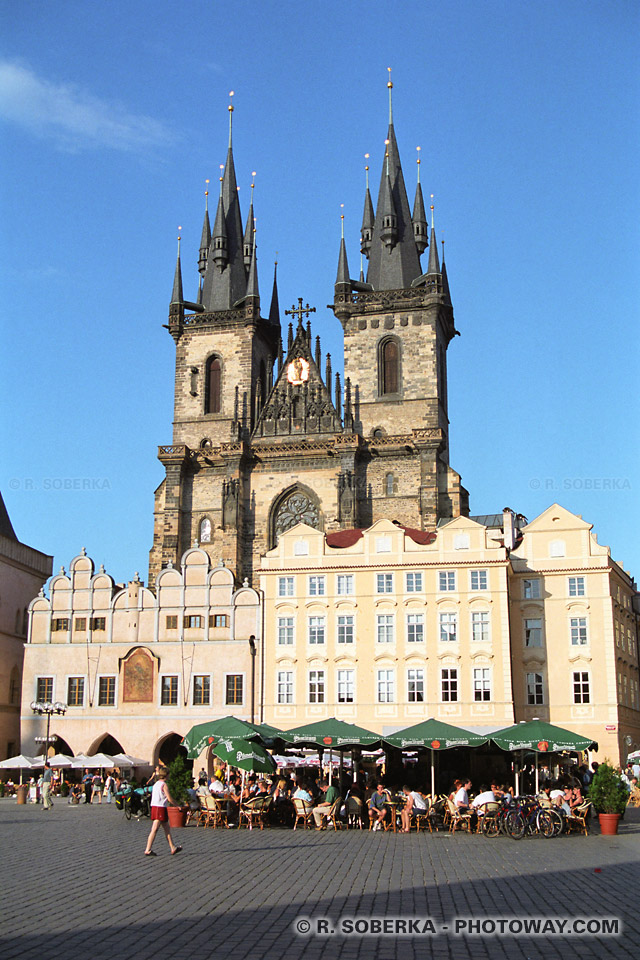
x: 47, y: 802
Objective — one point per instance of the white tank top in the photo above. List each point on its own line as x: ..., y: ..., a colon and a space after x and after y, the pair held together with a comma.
x: 158, y: 798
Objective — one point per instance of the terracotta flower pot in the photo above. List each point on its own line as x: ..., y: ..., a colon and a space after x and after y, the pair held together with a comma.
x: 608, y: 823
x: 177, y: 816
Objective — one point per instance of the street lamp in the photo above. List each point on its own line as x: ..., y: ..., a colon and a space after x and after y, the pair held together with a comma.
x: 252, y: 648
x: 45, y: 706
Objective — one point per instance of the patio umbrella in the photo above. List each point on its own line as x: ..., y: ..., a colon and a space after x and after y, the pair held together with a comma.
x: 20, y: 763
x: 540, y: 737
x: 435, y: 735
x: 125, y: 760
x: 226, y: 728
x: 332, y: 734
x: 60, y: 760
x: 245, y: 755
x: 95, y: 762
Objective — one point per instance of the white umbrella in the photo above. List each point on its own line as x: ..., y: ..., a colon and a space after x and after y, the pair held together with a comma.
x: 99, y: 760
x: 60, y: 760
x: 124, y: 760
x: 80, y: 760
x: 20, y: 763
x: 634, y: 756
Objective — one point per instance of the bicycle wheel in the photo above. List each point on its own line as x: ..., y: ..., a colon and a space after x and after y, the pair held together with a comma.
x: 515, y: 825
x: 127, y: 808
x: 558, y: 822
x: 490, y: 826
x: 545, y: 824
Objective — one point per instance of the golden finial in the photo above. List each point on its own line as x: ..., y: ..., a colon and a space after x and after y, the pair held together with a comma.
x: 432, y: 211
x: 390, y: 86
x: 275, y: 262
x: 206, y: 195
x: 342, y: 219
x: 386, y: 154
x: 179, y: 239
x: 230, y: 108
x: 366, y: 169
x: 418, y: 162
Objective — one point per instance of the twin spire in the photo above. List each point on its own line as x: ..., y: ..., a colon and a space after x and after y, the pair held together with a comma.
x: 392, y: 237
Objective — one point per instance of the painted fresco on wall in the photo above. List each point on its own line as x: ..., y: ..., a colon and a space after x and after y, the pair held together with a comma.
x: 138, y: 678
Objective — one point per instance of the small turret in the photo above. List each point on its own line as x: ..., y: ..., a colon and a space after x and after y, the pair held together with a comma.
x: 386, y: 209
x: 434, y: 265
x: 419, y: 216
x: 368, y: 217
x: 219, y: 246
x: 248, y: 231
x: 274, y: 309
x: 205, y: 240
x: 177, y: 298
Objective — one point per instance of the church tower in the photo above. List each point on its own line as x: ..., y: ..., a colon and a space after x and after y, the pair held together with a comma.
x: 397, y: 327
x: 265, y: 434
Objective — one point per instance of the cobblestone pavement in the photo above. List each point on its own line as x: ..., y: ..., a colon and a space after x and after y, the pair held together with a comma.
x: 74, y: 884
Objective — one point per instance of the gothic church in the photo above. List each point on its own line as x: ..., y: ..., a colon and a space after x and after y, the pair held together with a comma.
x: 264, y: 434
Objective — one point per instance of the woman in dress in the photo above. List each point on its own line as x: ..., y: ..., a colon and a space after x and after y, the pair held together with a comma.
x: 160, y: 800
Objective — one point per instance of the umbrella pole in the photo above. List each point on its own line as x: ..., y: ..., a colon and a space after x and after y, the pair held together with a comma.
x: 330, y: 766
x: 240, y: 804
x: 433, y: 778
x: 515, y: 767
x: 537, y: 775
x: 342, y: 773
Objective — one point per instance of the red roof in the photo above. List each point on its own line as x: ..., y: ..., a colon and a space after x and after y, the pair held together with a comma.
x: 347, y: 538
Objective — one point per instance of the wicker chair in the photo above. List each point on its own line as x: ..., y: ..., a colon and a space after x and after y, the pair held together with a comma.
x: 458, y: 820
x: 255, y: 811
x: 304, y: 812
x: 355, y: 810
x: 579, y: 819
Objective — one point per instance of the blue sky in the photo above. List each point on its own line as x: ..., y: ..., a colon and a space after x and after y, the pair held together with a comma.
x: 114, y: 115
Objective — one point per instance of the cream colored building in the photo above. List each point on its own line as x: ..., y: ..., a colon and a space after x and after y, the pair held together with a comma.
x: 137, y: 669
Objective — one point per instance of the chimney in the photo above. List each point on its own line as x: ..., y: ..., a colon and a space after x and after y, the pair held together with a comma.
x: 508, y: 528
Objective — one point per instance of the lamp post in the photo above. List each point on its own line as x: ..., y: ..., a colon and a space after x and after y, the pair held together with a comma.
x: 252, y: 647
x: 45, y: 706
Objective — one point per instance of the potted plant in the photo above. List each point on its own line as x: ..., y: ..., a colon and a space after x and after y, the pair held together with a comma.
x: 609, y: 796
x: 178, y: 781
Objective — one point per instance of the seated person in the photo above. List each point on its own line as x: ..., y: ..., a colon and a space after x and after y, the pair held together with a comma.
x: 377, y: 810
x: 75, y: 793
x: 414, y: 804
x: 217, y: 787
x: 485, y: 796
x: 461, y: 798
x: 262, y: 789
x: 302, y: 792
x: 321, y: 811
x: 194, y: 798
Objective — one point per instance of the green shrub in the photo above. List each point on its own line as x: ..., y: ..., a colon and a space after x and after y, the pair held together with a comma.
x: 607, y: 791
x: 179, y: 780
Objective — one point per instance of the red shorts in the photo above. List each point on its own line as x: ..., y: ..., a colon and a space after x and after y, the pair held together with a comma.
x: 159, y: 813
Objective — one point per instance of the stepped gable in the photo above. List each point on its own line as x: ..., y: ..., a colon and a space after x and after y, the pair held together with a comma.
x: 299, y: 403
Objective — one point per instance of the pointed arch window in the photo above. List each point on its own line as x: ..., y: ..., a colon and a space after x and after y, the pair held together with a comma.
x: 389, y: 367
x: 213, y: 395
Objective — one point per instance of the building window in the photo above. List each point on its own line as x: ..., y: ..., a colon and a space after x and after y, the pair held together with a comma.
x: 448, y: 627
x: 194, y: 622
x: 107, y: 692
x: 533, y: 633
x: 478, y: 579
x: 316, y: 686
x: 60, y: 623
x: 301, y: 548
x: 284, y: 693
x: 98, y: 623
x: 14, y: 688
x: 346, y: 686
x: 390, y: 485
x: 317, y: 586
x: 531, y: 589
x: 316, y: 630
x: 172, y: 622
x: 234, y: 689
x: 449, y: 677
x: 415, y: 628
x: 578, y: 631
x: 389, y: 364
x: 75, y: 692
x: 386, y: 684
x: 213, y: 391
x: 44, y: 689
x: 461, y: 541
x: 169, y: 691
x: 576, y: 586
x: 384, y: 632
x: 205, y: 531
x: 581, y: 692
x: 415, y: 686
x: 447, y: 580
x: 414, y: 582
x: 384, y: 583
x: 218, y: 620
x: 557, y: 548
x: 383, y: 544
x: 80, y: 623
x: 201, y: 690
x: 345, y: 629
x: 285, y: 630
x: 481, y: 684
x: 285, y: 587
x: 480, y: 626
x: 535, y: 689
x: 344, y: 584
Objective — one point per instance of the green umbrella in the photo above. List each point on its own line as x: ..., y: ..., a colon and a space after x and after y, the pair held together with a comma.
x: 540, y: 737
x: 244, y: 754
x: 332, y: 734
x: 435, y: 735
x: 227, y: 728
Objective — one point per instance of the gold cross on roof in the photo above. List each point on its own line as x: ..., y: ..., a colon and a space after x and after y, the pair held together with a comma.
x: 299, y: 310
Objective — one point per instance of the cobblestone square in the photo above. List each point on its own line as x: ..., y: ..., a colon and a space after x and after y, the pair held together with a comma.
x: 75, y: 884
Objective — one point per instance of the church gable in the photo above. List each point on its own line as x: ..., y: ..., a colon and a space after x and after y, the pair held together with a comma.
x: 299, y: 403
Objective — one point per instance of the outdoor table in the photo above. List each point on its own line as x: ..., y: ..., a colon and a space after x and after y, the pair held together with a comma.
x: 393, y: 806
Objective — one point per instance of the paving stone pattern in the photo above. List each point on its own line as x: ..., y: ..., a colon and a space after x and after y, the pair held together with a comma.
x: 75, y: 884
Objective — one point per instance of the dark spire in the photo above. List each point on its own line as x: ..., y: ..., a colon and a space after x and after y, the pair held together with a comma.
x: 343, y: 266
x: 205, y: 239
x: 274, y: 309
x: 225, y: 280
x: 327, y: 371
x: 252, y: 280
x: 176, y: 294
x: 318, y: 356
x: 368, y: 217
x: 248, y: 231
x: 393, y: 258
x: 445, y: 278
x: 434, y: 266
x: 419, y: 216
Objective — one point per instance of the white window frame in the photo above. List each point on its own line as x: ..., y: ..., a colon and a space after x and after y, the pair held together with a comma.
x: 234, y: 673
x: 313, y: 630
x: 480, y: 619
x: 317, y: 585
x: 386, y: 686
x: 346, y: 685
x: 528, y: 632
x: 286, y: 587
x: 344, y: 629
x: 414, y: 581
x: 344, y: 584
x: 206, y: 703
x: 385, y: 628
x: 68, y: 679
x: 449, y: 619
x: 449, y: 685
x: 415, y: 626
x: 161, y: 679
x: 107, y: 676
x: 284, y: 687
x: 287, y: 629
x: 581, y: 686
x: 579, y: 631
x: 481, y: 578
x: 44, y: 676
x: 531, y: 588
x: 415, y: 685
x: 384, y: 583
x: 317, y: 686
x: 535, y: 689
x: 481, y: 677
x: 446, y: 581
